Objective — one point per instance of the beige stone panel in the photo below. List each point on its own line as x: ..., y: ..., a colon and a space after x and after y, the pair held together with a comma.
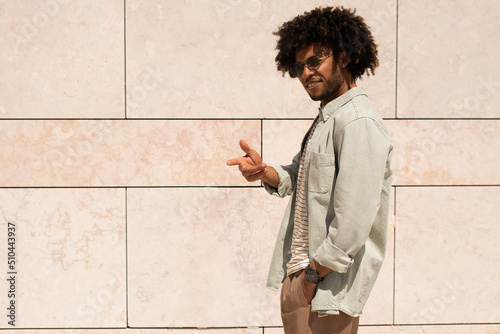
x: 381, y: 17
x: 441, y: 329
x: 68, y: 266
x: 273, y: 331
x: 282, y: 140
x: 446, y: 250
x: 62, y: 59
x: 446, y: 69
x: 199, y: 257
x: 186, y: 59
x: 123, y: 153
x: 451, y: 152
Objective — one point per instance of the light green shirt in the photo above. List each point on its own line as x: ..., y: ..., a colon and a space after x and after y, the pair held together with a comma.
x: 349, y: 179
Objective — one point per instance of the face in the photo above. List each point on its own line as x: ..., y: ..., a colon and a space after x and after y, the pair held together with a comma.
x: 324, y: 83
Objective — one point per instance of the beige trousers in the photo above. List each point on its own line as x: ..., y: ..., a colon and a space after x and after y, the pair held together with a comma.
x: 298, y: 318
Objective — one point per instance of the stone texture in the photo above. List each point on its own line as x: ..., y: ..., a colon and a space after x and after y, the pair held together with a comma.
x: 446, y: 69
x: 69, y: 257
x: 453, y: 152
x: 62, y: 59
x: 282, y: 139
x: 199, y: 257
x: 200, y: 76
x: 123, y: 153
x: 446, y: 245
x: 200, y: 66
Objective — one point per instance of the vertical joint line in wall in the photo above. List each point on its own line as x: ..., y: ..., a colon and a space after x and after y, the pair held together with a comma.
x: 262, y: 139
x: 262, y: 144
x: 397, y: 62
x: 394, y: 262
x: 125, y: 56
x: 126, y: 256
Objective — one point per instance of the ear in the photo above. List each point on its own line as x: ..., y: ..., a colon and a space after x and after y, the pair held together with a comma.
x: 343, y: 61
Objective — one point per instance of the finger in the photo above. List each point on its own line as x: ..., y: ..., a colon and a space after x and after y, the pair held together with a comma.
x: 235, y: 161
x: 256, y: 176
x: 244, y: 146
x: 250, y: 152
x: 250, y: 170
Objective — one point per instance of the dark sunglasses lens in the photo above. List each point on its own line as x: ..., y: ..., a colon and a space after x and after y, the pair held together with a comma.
x: 313, y: 62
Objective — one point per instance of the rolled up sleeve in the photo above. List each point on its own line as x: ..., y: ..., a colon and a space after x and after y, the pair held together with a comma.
x: 287, y: 176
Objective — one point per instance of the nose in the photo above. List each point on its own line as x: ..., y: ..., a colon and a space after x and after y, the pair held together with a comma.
x: 307, y: 72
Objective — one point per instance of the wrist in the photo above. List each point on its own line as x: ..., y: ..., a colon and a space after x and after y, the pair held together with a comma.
x: 312, y: 275
x: 322, y: 270
x: 271, y: 177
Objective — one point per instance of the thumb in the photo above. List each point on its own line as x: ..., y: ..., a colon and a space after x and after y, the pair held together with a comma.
x: 244, y: 146
x: 251, y: 152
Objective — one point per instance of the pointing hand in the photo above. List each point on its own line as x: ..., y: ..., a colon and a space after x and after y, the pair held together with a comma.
x: 250, y: 165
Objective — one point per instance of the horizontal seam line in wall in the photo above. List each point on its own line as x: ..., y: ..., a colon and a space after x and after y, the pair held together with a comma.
x: 60, y: 329
x: 226, y: 187
x: 159, y: 119
x: 234, y: 119
x: 202, y: 329
x: 125, y: 187
x: 244, y: 327
x: 444, y: 119
x: 63, y: 119
x: 443, y: 324
x: 442, y: 185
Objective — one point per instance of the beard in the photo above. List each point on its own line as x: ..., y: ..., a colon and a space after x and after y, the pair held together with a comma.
x: 331, y: 87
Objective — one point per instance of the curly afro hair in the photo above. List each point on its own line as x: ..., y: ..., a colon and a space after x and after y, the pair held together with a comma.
x: 334, y: 28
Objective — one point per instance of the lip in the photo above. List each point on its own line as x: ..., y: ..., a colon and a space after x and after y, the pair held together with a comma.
x: 311, y: 84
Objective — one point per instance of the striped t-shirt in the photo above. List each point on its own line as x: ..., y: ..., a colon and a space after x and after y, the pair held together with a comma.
x: 300, y: 241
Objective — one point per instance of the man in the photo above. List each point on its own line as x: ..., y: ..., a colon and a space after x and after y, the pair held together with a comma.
x: 333, y: 236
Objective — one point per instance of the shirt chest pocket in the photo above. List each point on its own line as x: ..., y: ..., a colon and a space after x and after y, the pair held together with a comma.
x: 321, y: 172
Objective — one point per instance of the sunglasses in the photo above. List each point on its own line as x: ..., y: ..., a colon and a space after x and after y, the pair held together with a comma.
x: 312, y: 63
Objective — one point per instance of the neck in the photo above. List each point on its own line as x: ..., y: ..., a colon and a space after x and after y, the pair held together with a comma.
x: 341, y: 91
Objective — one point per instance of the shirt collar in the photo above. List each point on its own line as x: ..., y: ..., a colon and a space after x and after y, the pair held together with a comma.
x: 331, y: 107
